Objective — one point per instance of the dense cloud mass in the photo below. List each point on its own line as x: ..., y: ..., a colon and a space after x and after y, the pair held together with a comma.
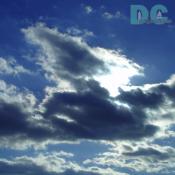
x: 65, y: 56
x: 151, y: 98
x: 67, y: 60
x: 86, y: 109
x: 88, y: 101
x: 15, y: 122
x: 92, y: 115
x: 95, y: 117
x: 141, y: 99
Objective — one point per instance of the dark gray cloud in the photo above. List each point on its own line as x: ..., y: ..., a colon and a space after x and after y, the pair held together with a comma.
x: 154, y: 97
x: 150, y: 153
x: 168, y: 90
x: 139, y: 98
x: 68, y: 56
x: 95, y: 116
x: 14, y: 121
x: 93, y: 113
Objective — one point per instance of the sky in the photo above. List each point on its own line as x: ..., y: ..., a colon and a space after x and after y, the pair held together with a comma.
x: 85, y: 92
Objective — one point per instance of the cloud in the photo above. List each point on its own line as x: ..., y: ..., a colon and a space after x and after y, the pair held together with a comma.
x: 21, y: 169
x: 46, y: 164
x: 88, y: 9
x: 63, y: 56
x: 88, y: 114
x: 150, y: 152
x: 67, y: 59
x: 154, y: 97
x: 107, y: 15
x: 93, y: 116
x: 156, y: 101
x: 13, y: 95
x: 14, y: 121
x: 88, y: 111
x: 18, y: 121
x: 87, y: 102
x: 25, y: 169
x: 71, y: 172
x: 82, y: 33
x: 49, y: 164
x: 10, y: 67
x: 117, y: 15
x: 141, y: 157
x: 137, y: 97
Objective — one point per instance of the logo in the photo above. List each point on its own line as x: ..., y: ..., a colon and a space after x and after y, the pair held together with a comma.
x: 141, y: 15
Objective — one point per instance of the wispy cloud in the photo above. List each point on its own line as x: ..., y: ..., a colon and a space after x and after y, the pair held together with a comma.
x: 9, y: 66
x: 118, y: 15
x: 88, y: 9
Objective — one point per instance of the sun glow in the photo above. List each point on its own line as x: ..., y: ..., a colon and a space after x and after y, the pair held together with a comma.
x: 120, y: 70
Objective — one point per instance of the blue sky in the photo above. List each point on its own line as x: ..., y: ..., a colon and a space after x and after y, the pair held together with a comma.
x: 82, y: 91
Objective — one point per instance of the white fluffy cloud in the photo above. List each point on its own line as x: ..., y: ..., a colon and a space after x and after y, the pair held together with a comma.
x: 65, y: 57
x: 13, y: 95
x: 11, y: 67
x: 88, y: 9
